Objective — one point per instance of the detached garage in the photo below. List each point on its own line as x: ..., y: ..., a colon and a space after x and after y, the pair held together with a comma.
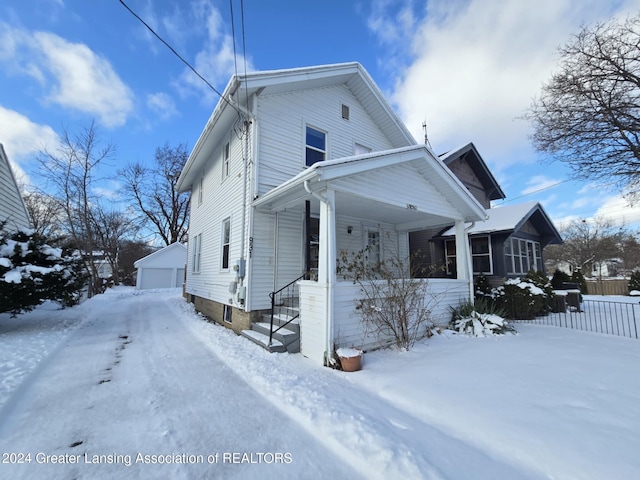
x: 162, y: 269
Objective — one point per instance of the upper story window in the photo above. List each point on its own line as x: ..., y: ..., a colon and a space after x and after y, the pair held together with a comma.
x: 225, y: 161
x: 316, y: 150
x: 201, y: 188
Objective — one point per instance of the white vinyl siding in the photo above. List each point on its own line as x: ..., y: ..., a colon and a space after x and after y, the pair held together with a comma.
x: 283, y: 120
x: 222, y: 200
x: 12, y: 208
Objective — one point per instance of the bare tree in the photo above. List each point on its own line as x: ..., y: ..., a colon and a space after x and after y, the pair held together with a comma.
x: 70, y: 173
x: 588, y: 242
x: 44, y: 211
x: 111, y: 228
x: 588, y: 114
x: 154, y: 191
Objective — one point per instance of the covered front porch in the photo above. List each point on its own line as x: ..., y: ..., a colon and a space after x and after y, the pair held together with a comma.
x: 371, y: 200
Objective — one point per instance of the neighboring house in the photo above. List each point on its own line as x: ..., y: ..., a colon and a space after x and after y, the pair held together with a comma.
x: 292, y: 167
x: 13, y: 210
x: 509, y: 243
x: 163, y: 268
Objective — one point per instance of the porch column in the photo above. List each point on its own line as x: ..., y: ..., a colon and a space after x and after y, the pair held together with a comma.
x: 463, y: 256
x: 462, y: 269
x: 327, y: 262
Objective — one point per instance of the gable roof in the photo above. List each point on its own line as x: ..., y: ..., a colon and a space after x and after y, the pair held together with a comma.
x: 469, y: 153
x: 174, y: 253
x: 452, y: 199
x: 12, y: 206
x: 512, y: 218
x: 242, y: 87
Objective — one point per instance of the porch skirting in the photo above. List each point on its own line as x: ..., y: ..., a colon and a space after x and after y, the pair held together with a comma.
x: 348, y: 330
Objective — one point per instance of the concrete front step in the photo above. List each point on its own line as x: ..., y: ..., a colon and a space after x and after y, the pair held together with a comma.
x: 286, y: 339
x: 263, y: 340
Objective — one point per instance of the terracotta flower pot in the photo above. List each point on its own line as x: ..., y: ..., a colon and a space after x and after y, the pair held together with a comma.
x: 350, y: 359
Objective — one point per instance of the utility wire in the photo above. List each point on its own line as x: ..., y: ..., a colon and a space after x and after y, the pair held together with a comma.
x: 179, y: 56
x: 244, y: 49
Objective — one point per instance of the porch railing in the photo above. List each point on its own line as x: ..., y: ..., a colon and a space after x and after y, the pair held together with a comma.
x: 282, y: 299
x: 600, y: 316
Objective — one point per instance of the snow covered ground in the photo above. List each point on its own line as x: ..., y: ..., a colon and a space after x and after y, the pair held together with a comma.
x: 130, y: 373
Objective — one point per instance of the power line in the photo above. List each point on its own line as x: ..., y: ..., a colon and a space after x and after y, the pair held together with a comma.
x: 179, y: 56
x: 535, y: 191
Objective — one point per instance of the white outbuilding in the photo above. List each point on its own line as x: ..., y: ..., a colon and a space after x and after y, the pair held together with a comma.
x: 163, y: 268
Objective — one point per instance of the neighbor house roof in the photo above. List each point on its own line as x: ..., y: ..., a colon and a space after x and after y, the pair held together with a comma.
x: 479, y: 167
x: 512, y: 218
x: 241, y: 88
x: 172, y: 253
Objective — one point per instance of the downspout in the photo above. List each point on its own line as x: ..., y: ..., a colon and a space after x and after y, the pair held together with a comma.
x: 242, y: 292
x: 328, y: 360
x: 472, y: 293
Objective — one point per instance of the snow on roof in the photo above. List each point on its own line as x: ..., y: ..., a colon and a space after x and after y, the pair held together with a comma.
x: 500, y: 219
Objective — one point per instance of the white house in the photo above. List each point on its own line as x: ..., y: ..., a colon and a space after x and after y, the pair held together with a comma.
x: 163, y: 268
x: 12, y: 208
x: 292, y: 167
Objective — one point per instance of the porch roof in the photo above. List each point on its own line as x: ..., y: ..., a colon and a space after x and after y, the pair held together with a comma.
x: 407, y: 187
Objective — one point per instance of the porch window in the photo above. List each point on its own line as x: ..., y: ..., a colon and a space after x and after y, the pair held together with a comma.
x: 225, y: 161
x: 480, y: 255
x: 197, y: 245
x: 521, y: 256
x: 226, y: 236
x: 316, y: 149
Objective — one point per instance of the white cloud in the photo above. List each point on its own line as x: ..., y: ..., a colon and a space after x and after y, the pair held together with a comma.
x: 23, y: 139
x: 162, y: 104
x: 75, y: 77
x: 477, y: 64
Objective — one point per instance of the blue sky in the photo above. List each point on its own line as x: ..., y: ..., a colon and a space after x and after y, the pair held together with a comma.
x: 468, y: 68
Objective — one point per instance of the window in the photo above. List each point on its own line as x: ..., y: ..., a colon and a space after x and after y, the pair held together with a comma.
x: 226, y: 313
x: 201, y: 188
x: 480, y: 255
x: 450, y: 254
x: 522, y: 255
x: 197, y: 246
x: 314, y: 244
x: 225, y: 161
x: 226, y: 236
x: 316, y: 146
x: 373, y: 249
